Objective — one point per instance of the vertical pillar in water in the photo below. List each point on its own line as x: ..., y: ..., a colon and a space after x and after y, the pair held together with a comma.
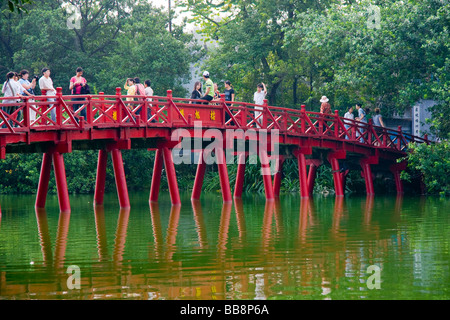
x: 121, y: 183
x: 277, y: 177
x: 199, y: 177
x: 240, y: 176
x: 223, y: 175
x: 61, y: 182
x: 267, y: 177
x: 44, y: 179
x: 156, y: 178
x: 171, y: 176
x: 101, y: 178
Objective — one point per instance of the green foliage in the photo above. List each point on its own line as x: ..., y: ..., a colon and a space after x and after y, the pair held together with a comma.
x: 116, y: 40
x: 432, y: 162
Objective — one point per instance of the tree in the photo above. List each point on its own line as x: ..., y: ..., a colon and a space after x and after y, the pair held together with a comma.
x: 250, y: 40
x: 390, y: 67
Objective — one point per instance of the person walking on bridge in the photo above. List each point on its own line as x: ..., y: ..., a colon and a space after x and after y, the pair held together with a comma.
x: 47, y: 89
x: 258, y: 98
x: 209, y: 88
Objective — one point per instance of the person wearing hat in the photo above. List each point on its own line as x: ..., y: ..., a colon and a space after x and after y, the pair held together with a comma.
x: 209, y: 88
x: 325, y: 107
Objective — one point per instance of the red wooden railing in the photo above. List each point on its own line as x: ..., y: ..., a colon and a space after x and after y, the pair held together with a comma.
x: 109, y: 111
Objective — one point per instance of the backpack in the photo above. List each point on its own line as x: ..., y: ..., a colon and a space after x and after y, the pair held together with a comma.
x: 85, y: 89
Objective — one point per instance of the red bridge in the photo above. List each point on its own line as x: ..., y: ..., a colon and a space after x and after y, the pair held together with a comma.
x: 115, y: 122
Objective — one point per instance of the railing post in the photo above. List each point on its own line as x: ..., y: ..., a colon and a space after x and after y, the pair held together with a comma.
x: 59, y: 119
x: 399, y: 138
x: 88, y: 109
x: 224, y: 112
x: 425, y: 136
x: 369, y: 131
x: 118, y: 106
x: 303, y: 118
x: 336, y: 124
x: 144, y: 111
x: 169, y: 107
x: 265, y: 113
x: 102, y: 106
x: 26, y: 114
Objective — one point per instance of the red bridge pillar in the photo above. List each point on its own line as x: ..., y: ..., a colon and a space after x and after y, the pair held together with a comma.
x: 199, y: 176
x: 60, y: 177
x: 396, y: 170
x: 101, y: 178
x: 121, y: 182
x: 367, y: 172
x: 171, y: 176
x: 44, y: 179
x: 313, y: 165
x: 240, y: 176
x: 302, y: 173
x: 267, y: 176
x: 277, y: 177
x: 333, y: 159
x: 164, y: 155
x: 156, y: 178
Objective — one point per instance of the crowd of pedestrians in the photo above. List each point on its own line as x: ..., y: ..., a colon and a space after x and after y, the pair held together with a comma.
x: 18, y: 86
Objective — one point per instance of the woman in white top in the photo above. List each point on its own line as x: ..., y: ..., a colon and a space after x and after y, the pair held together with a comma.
x: 11, y: 88
x: 28, y: 90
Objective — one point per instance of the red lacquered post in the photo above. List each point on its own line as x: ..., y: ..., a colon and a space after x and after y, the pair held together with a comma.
x: 101, y: 178
x: 240, y: 176
x: 156, y: 177
x: 267, y: 177
x: 171, y: 176
x: 198, y: 183
x: 302, y: 175
x: 121, y: 183
x: 61, y: 182
x: 223, y: 175
x: 277, y: 177
x: 44, y: 179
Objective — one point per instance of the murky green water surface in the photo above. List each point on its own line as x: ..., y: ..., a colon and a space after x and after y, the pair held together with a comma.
x: 291, y: 249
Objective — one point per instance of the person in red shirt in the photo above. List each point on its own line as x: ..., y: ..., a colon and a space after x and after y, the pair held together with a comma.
x: 325, y: 107
x: 76, y: 84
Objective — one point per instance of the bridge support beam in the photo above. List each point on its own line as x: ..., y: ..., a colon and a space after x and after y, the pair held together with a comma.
x: 101, y: 178
x: 121, y: 182
x: 156, y: 177
x: 333, y: 159
x: 396, y: 170
x: 60, y: 178
x: 367, y: 172
x: 240, y: 176
x: 267, y: 176
x: 303, y: 177
x: 171, y: 176
x: 277, y: 177
x: 223, y: 175
x: 61, y: 182
x: 44, y: 179
x: 313, y: 165
x: 199, y: 177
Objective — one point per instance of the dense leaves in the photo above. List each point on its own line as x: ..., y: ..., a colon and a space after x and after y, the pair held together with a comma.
x: 432, y: 162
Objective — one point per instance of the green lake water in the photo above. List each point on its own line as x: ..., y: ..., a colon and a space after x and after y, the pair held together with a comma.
x: 291, y: 249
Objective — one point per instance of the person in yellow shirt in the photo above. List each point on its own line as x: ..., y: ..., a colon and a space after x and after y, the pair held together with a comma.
x: 131, y: 90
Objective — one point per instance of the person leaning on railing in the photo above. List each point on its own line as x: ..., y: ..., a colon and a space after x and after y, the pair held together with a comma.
x: 347, y: 123
x: 11, y: 88
x: 46, y: 86
x: 28, y: 89
x: 77, y: 83
x: 361, y: 118
x: 258, y: 98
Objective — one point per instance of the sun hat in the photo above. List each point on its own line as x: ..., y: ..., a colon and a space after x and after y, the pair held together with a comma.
x: 324, y: 99
x: 206, y: 74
